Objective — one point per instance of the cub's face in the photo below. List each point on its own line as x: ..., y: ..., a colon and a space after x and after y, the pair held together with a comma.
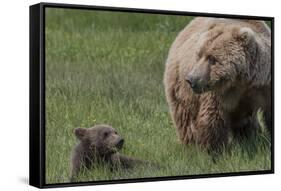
x: 102, y: 139
x: 221, y: 59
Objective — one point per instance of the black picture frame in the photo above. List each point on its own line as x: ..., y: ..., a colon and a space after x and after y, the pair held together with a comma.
x: 37, y: 94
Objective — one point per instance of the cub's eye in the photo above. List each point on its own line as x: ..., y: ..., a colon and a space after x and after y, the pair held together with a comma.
x: 212, y: 60
x: 105, y: 134
x: 115, y: 132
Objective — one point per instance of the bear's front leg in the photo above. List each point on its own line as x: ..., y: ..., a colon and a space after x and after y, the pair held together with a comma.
x: 212, y: 131
x: 267, y: 113
x: 125, y: 162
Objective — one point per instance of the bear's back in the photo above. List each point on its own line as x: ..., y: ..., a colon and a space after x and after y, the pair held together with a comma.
x: 200, y: 25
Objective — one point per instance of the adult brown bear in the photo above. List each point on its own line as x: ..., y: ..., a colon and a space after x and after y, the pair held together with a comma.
x: 218, y: 74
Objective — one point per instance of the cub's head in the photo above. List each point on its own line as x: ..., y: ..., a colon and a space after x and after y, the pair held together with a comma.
x: 223, y: 57
x: 101, y: 139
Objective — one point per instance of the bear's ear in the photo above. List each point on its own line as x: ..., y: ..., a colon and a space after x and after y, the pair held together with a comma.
x: 246, y: 35
x: 80, y: 132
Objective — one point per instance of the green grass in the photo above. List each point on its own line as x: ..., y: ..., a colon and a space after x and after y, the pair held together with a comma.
x: 108, y: 68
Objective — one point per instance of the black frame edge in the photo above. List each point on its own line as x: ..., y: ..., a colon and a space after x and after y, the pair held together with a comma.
x: 35, y: 139
x: 153, y: 11
x: 272, y: 96
x: 158, y: 179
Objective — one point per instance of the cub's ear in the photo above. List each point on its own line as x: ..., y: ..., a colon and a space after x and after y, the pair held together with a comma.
x: 80, y: 132
x: 246, y: 35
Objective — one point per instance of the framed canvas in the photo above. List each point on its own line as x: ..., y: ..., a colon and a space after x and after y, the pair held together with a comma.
x: 123, y: 95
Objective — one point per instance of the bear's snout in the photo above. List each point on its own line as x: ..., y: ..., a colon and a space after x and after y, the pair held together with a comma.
x: 192, y: 81
x: 196, y: 83
x: 120, y: 143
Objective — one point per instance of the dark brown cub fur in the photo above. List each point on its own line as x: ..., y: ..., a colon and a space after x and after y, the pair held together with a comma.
x: 99, y: 145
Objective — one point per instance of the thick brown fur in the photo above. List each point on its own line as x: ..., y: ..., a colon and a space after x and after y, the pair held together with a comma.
x: 218, y: 74
x: 99, y: 145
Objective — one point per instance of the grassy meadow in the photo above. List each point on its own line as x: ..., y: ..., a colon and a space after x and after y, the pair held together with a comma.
x: 107, y: 67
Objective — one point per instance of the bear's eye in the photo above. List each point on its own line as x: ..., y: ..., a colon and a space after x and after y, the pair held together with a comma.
x: 105, y: 134
x: 212, y: 60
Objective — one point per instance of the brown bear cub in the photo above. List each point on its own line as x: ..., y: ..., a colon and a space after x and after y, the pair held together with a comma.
x: 99, y: 145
